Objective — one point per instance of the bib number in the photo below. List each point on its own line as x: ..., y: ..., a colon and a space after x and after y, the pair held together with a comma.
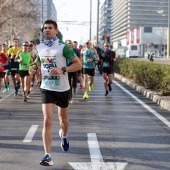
x: 105, y: 64
x: 51, y: 81
x: 24, y: 66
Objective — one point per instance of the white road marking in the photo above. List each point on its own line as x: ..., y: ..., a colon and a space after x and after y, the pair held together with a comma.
x: 6, y: 96
x: 97, y: 162
x: 94, y: 148
x: 30, y: 134
x: 164, y: 120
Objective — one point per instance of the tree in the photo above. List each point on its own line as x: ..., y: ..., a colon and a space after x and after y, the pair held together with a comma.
x: 18, y: 17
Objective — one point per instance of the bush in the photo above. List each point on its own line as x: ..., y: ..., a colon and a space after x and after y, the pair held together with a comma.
x: 151, y: 75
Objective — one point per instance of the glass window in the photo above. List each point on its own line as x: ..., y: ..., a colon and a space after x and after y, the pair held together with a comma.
x: 148, y: 29
x: 133, y: 47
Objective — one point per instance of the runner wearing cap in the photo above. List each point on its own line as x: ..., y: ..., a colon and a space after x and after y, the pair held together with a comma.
x: 88, y: 53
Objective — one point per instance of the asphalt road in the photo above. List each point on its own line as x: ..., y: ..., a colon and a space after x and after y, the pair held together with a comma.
x: 126, y: 132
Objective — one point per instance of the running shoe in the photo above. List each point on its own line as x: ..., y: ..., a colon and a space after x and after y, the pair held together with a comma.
x: 110, y: 88
x: 5, y: 90
x: 106, y: 93
x: 64, y: 142
x: 91, y: 88
x: 16, y: 92
x: 25, y: 99
x: 46, y: 161
x: 8, y: 87
x: 86, y: 96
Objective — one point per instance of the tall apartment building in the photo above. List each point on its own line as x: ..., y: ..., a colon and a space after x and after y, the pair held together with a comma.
x: 47, y: 10
x: 130, y: 14
x: 105, y: 16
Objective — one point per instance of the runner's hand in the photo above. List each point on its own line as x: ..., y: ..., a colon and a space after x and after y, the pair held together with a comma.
x: 32, y: 70
x: 56, y: 71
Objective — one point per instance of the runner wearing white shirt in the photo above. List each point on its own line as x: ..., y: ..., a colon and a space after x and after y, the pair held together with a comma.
x: 55, y: 87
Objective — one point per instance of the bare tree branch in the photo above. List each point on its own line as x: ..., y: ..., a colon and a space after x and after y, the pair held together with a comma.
x: 19, y: 16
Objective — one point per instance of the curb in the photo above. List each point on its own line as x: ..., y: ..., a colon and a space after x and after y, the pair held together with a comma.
x: 163, y: 101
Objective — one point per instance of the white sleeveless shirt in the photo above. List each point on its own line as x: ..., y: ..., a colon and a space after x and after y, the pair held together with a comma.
x: 54, y: 56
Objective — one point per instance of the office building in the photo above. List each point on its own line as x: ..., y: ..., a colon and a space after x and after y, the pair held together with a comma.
x: 128, y: 15
x: 104, y: 20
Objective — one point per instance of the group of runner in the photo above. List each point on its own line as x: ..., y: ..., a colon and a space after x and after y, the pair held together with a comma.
x: 58, y: 67
x: 15, y: 61
x: 90, y: 58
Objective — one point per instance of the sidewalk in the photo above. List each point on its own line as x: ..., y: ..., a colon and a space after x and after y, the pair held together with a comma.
x: 163, y: 101
x: 157, y: 60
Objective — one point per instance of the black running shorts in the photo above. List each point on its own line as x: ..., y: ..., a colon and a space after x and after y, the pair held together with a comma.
x: 89, y: 71
x: 14, y: 72
x: 108, y: 70
x: 2, y: 74
x: 58, y: 98
x: 23, y: 73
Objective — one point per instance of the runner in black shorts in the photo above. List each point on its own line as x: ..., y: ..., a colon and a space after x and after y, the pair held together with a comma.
x: 90, y: 72
x: 61, y: 99
x: 54, y: 55
x: 108, y: 59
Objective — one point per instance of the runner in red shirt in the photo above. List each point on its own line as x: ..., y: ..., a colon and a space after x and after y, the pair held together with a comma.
x: 3, y: 62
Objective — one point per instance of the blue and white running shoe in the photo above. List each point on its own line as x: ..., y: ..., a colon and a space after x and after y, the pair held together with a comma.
x: 64, y: 142
x: 46, y: 161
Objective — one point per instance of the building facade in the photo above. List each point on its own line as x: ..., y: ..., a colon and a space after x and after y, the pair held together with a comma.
x: 128, y: 15
x: 105, y: 8
x: 47, y: 10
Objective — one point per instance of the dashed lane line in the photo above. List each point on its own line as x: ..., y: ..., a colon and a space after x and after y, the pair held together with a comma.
x: 30, y: 134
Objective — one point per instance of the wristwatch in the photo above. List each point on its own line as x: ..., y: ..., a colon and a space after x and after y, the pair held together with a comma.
x: 64, y: 69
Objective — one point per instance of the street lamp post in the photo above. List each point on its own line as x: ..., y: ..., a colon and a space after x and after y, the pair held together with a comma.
x: 90, y: 17
x: 42, y: 18
x: 97, y: 36
x: 168, y: 31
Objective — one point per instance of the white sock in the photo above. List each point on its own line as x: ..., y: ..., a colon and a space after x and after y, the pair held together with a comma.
x: 48, y: 154
x: 63, y: 136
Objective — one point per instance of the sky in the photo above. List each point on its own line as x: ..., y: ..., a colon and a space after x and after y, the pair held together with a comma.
x: 77, y: 15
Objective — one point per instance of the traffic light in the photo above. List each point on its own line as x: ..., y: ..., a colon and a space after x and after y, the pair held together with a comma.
x: 108, y: 38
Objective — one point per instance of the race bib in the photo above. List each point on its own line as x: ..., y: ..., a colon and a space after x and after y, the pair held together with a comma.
x: 51, y: 81
x: 105, y: 64
x: 24, y: 66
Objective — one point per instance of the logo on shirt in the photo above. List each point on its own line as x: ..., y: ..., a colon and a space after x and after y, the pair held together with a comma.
x: 48, y: 62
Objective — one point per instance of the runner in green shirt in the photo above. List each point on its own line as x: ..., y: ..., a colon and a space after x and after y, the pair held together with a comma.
x: 24, y: 60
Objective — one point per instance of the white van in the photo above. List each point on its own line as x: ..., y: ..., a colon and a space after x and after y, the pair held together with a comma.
x: 133, y: 51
